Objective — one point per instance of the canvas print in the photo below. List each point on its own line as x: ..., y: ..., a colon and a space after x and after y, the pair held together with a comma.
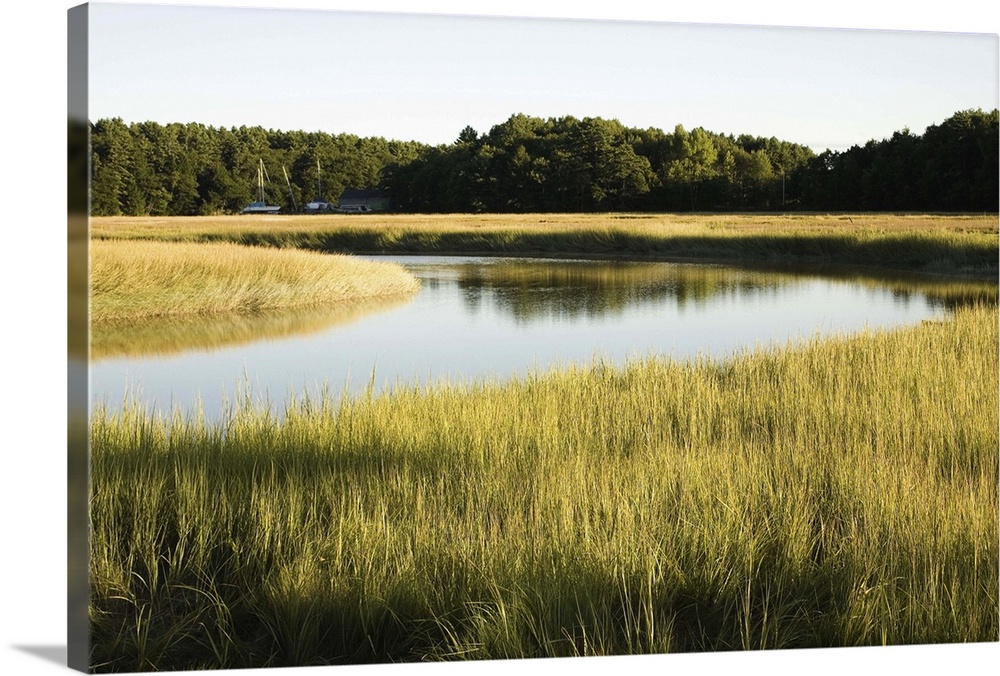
x: 400, y: 338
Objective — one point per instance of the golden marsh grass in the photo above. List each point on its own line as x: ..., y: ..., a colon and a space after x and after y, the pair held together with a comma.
x: 954, y: 245
x: 193, y: 226
x: 840, y: 493
x: 144, y: 279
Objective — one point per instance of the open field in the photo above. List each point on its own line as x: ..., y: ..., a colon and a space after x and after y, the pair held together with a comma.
x: 956, y: 245
x: 837, y: 494
x: 142, y: 279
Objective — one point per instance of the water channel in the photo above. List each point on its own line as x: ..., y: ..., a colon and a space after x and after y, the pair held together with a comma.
x: 482, y: 318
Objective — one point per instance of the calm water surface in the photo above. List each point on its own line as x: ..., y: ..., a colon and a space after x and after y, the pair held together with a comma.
x: 477, y: 318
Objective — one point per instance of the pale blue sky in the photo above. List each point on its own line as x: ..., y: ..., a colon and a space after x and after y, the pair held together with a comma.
x: 424, y: 78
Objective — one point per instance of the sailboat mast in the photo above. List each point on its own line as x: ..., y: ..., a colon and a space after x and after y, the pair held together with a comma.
x: 260, y: 178
x: 289, y: 184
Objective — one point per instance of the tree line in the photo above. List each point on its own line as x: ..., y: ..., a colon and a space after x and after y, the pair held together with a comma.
x: 531, y: 164
x: 191, y: 169
x: 952, y: 167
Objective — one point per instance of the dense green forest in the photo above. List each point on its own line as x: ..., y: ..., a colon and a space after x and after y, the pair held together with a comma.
x: 530, y: 164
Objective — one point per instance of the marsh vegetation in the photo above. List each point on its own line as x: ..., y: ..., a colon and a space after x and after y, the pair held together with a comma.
x: 935, y: 244
x: 839, y: 493
x: 836, y: 491
x: 133, y: 280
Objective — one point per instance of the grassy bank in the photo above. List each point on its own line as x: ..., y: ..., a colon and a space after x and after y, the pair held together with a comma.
x: 955, y: 245
x: 842, y: 493
x: 133, y: 280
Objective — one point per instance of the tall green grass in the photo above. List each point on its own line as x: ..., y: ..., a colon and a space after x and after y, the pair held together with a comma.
x: 840, y: 493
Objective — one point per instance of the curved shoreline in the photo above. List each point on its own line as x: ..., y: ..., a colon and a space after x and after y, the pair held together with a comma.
x: 139, y: 279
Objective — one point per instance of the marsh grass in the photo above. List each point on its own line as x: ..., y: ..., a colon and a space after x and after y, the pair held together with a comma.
x: 840, y: 493
x: 132, y: 280
x: 965, y: 245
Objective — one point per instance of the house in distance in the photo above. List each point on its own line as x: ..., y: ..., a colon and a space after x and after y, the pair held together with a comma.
x: 364, y: 200
x: 351, y: 201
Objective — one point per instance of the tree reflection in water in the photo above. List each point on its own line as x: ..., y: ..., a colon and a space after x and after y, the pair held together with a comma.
x: 530, y: 290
